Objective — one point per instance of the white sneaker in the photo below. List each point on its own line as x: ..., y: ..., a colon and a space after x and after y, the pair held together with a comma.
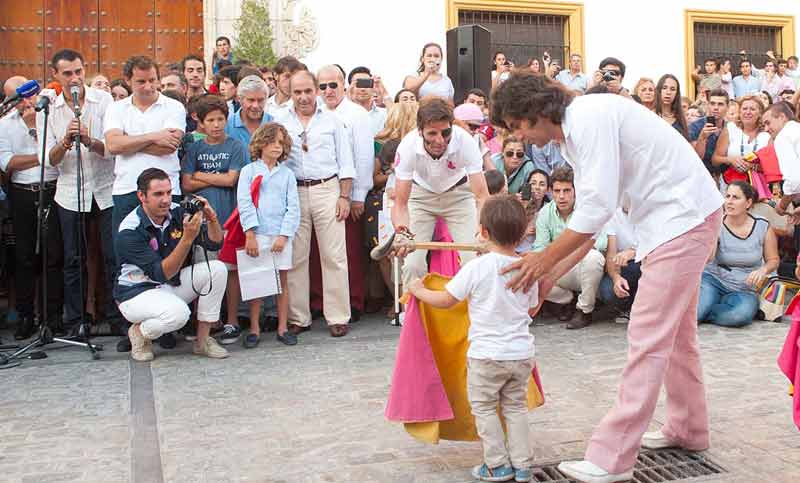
x: 657, y: 440
x: 210, y: 348
x: 588, y: 472
x: 623, y: 318
x: 141, y: 346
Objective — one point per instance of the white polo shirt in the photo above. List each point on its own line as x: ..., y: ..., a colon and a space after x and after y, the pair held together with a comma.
x: 356, y: 121
x: 413, y: 163
x: 622, y: 151
x: 787, y: 149
x: 165, y: 113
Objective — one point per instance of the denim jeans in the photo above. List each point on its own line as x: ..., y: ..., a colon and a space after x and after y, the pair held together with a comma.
x: 631, y: 272
x: 724, y: 307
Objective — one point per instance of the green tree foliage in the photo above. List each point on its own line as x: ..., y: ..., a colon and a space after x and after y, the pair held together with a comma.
x: 254, y: 31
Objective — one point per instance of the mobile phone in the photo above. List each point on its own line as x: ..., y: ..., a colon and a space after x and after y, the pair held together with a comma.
x: 365, y: 83
x: 711, y: 120
x: 526, y: 192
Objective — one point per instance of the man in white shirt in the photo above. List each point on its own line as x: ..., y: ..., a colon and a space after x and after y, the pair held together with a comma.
x: 284, y: 69
x: 322, y: 161
x: 367, y: 97
x: 143, y: 131
x: 357, y: 123
x: 97, y: 178
x: 439, y: 173
x: 19, y: 160
x: 623, y: 155
x: 779, y: 121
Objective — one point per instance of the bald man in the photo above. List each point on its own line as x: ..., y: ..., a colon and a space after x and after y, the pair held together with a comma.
x: 356, y: 121
x: 19, y: 160
x: 322, y: 161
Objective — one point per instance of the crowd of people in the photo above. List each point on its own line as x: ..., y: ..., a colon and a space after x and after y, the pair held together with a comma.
x: 326, y: 148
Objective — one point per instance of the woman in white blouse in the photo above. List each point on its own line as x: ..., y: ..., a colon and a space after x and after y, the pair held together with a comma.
x: 741, y: 138
x: 429, y: 81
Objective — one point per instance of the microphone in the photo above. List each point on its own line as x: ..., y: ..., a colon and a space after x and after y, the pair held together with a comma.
x: 28, y: 89
x: 43, y: 103
x: 75, y: 92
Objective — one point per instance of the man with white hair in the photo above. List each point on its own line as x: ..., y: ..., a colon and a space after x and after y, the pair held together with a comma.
x: 252, y: 93
x: 359, y: 130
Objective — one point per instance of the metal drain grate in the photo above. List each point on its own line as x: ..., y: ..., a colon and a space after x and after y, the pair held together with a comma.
x: 651, y: 467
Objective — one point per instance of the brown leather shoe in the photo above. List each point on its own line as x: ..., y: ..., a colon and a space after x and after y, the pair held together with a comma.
x: 339, y: 330
x: 584, y: 321
x: 298, y: 329
x: 567, y: 311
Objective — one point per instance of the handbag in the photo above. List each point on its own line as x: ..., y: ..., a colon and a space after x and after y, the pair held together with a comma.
x: 234, y: 234
x: 775, y: 296
x: 759, y: 182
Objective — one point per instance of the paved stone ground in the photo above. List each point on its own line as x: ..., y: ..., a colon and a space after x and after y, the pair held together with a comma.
x: 314, y: 412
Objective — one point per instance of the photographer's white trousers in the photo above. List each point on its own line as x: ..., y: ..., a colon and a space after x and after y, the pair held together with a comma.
x: 165, y: 309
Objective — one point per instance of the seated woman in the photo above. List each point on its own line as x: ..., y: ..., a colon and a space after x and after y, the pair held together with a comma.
x: 513, y: 163
x: 619, y: 284
x: 746, y: 254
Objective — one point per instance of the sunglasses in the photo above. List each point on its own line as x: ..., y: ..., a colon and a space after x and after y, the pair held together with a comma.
x: 473, y: 127
x: 331, y: 85
x: 518, y: 154
x: 304, y: 141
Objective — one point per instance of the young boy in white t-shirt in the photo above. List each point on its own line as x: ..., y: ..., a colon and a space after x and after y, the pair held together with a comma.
x: 500, y: 356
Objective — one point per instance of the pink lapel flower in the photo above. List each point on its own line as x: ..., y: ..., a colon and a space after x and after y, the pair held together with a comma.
x: 451, y: 164
x: 154, y: 244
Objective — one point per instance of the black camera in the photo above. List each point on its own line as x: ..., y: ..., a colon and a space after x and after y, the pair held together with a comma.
x: 191, y: 204
x: 609, y: 76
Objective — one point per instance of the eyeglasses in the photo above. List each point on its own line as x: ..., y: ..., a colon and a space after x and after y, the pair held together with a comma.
x: 304, y: 141
x: 331, y: 85
x: 32, y: 133
x: 519, y: 154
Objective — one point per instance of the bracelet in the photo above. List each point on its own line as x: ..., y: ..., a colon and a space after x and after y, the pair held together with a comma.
x: 66, y: 146
x: 344, y: 197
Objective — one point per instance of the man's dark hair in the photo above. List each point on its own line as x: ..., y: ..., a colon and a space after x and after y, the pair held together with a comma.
x: 433, y: 109
x: 476, y: 92
x: 148, y: 175
x: 223, y: 63
x: 121, y: 83
x: 173, y: 68
x: 613, y: 61
x: 358, y: 70
x: 503, y: 216
x: 248, y: 70
x: 242, y: 62
x: 264, y: 69
x: 205, y: 105
x: 181, y: 78
x: 222, y: 37
x: 231, y: 72
x: 743, y: 60
x: 563, y: 174
x: 139, y: 62
x: 711, y: 59
x: 781, y: 61
x: 288, y: 64
x: 529, y: 96
x: 782, y: 108
x: 786, y: 91
x: 65, y: 54
x: 495, y: 180
x: 192, y: 57
x: 175, y: 94
x: 600, y: 88
x: 719, y: 93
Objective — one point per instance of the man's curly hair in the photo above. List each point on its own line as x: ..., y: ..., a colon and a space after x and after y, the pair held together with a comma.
x: 529, y: 97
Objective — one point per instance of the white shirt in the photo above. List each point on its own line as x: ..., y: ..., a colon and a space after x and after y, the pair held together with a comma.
x: 413, y: 163
x: 440, y: 88
x: 498, y: 317
x: 329, y: 152
x: 377, y: 119
x: 165, y: 113
x: 15, y: 139
x: 620, y: 226
x: 273, y: 108
x: 356, y: 122
x: 622, y: 151
x: 97, y: 178
x: 787, y: 148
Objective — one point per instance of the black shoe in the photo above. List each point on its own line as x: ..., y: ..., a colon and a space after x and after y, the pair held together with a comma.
x: 124, y: 345
x: 270, y: 324
x: 355, y: 315
x: 25, y: 328
x: 251, y: 341
x: 167, y: 341
x: 584, y: 321
x: 287, y: 338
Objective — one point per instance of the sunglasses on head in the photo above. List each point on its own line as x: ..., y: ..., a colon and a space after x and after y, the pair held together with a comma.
x: 519, y: 154
x: 332, y: 85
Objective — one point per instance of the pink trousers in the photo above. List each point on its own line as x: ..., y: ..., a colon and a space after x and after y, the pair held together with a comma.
x: 662, y: 348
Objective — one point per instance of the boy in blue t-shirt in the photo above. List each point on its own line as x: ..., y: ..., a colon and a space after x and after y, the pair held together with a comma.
x: 210, y: 168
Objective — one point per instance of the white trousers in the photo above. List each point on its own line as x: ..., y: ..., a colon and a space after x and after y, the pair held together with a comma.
x: 585, y: 278
x: 165, y: 309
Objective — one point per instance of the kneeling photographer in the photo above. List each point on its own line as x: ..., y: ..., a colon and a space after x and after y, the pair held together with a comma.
x: 154, y: 286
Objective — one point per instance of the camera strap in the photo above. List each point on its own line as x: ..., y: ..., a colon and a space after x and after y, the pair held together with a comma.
x: 202, y: 237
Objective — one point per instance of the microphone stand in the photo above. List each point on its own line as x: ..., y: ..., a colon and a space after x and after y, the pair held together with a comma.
x: 45, y: 333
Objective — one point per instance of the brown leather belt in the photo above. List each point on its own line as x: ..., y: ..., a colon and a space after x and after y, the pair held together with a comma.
x: 35, y: 187
x: 458, y: 183
x: 313, y: 182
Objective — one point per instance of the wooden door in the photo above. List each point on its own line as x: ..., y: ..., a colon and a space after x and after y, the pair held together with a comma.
x: 23, y: 37
x: 71, y: 24
x: 126, y: 29
x: 172, y: 30
x: 196, y: 28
